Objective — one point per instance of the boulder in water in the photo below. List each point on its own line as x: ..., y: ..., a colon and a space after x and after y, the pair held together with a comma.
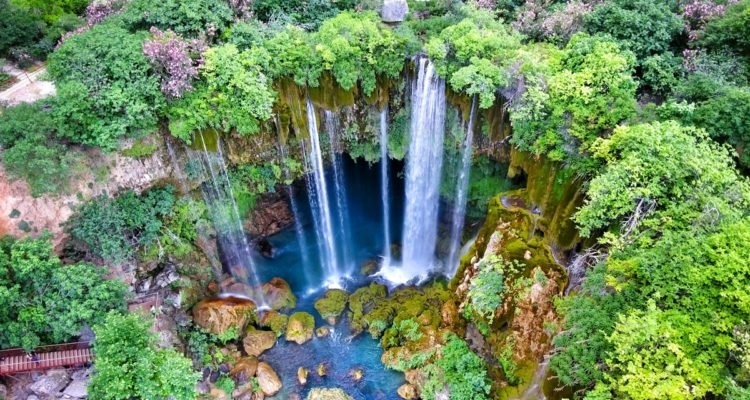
x: 328, y: 394
x: 278, y: 294
x: 300, y: 327
x: 357, y: 374
x: 274, y: 321
x: 256, y: 342
x: 332, y: 304
x: 323, y: 331
x: 268, y: 380
x: 302, y: 374
x: 219, y: 315
x: 394, y: 10
x: 407, y: 391
x: 322, y: 370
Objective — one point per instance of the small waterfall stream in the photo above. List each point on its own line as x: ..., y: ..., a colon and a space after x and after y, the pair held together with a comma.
x: 342, y: 207
x: 385, y: 195
x: 219, y: 197
x: 423, y: 173
x: 462, y: 188
x: 320, y: 203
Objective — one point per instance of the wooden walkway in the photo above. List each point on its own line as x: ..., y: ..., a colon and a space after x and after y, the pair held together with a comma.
x: 15, y: 361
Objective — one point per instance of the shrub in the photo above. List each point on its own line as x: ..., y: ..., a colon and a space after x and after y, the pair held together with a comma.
x: 43, y: 301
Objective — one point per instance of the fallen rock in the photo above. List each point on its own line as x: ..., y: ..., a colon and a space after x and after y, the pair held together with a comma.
x: 331, y: 305
x: 327, y: 394
x: 256, y: 342
x: 407, y: 391
x: 244, y: 368
x: 394, y: 10
x: 322, y: 370
x: 300, y: 327
x: 302, y: 374
x: 268, y: 380
x: 51, y: 383
x: 76, y: 389
x: 278, y: 294
x: 357, y: 374
x: 323, y: 331
x: 219, y: 315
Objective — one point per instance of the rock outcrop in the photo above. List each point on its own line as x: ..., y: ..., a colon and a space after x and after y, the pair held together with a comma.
x: 219, y: 315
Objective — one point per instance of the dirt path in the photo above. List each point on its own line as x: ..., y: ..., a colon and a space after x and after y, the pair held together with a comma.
x: 29, y: 87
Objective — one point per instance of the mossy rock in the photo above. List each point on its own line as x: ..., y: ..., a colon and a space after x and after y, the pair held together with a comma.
x: 332, y: 304
x: 362, y: 301
x: 275, y: 321
x: 279, y: 295
x: 300, y: 327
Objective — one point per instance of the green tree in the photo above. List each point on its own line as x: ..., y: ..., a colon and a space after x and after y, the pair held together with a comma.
x: 458, y: 370
x: 233, y: 94
x: 106, y: 88
x: 127, y: 364
x: 113, y: 229
x: 358, y: 47
x: 188, y: 18
x: 475, y: 55
x: 644, y: 27
x: 661, y: 176
x: 730, y: 32
x: 44, y: 301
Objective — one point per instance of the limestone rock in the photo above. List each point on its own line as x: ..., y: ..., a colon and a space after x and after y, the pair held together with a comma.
x: 322, y: 370
x: 274, y: 321
x: 394, y: 10
x: 244, y: 368
x: 270, y: 216
x: 449, y: 312
x: 268, y: 380
x: 278, y: 294
x: 300, y: 327
x: 302, y: 374
x: 331, y: 305
x: 76, y: 389
x: 323, y: 331
x: 219, y: 315
x: 51, y: 383
x: 256, y: 342
x: 407, y: 391
x: 357, y: 374
x: 328, y: 394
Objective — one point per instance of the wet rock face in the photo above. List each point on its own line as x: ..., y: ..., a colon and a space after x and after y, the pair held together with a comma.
x: 270, y: 216
x: 256, y: 342
x: 407, y: 391
x: 300, y: 327
x: 268, y: 380
x: 532, y: 313
x: 51, y: 383
x: 219, y: 315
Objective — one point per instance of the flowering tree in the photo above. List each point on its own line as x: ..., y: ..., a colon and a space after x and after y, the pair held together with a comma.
x: 175, y: 59
x: 697, y: 13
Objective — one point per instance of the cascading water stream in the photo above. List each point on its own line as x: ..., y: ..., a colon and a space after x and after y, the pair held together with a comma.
x: 320, y: 205
x: 423, y: 173
x: 384, y: 185
x: 225, y: 216
x: 462, y: 188
x: 342, y: 206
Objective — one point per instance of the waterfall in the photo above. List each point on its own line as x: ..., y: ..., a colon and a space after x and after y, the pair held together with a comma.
x: 342, y: 205
x: 319, y: 203
x: 384, y: 185
x: 225, y: 216
x: 462, y: 189
x: 423, y: 173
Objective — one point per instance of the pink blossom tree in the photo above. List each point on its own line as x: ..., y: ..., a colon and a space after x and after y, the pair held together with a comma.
x: 175, y: 59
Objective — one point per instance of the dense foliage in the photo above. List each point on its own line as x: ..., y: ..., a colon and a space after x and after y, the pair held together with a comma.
x: 43, y: 301
x: 113, y: 229
x: 129, y: 366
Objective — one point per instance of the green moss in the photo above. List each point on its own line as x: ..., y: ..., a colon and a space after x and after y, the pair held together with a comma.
x: 276, y: 322
x: 140, y: 149
x: 332, y: 304
x: 300, y: 327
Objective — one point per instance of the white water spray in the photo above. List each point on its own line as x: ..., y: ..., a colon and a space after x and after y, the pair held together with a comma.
x: 384, y: 193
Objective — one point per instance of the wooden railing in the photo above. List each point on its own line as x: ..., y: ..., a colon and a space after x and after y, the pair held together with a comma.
x: 15, y: 361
